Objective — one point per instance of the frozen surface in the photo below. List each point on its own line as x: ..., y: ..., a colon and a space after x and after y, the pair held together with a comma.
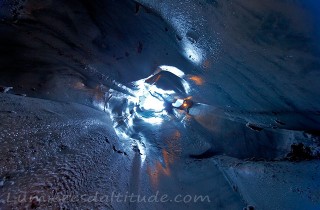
x: 281, y: 185
x: 252, y: 58
x: 68, y: 149
x: 99, y: 74
x: 55, y: 150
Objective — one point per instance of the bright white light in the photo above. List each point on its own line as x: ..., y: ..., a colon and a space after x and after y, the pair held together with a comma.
x: 149, y: 102
x: 153, y: 88
x: 142, y: 149
x: 121, y: 134
x: 153, y: 120
x: 186, y: 86
x: 193, y: 53
x: 145, y: 96
x: 178, y: 103
x: 173, y: 70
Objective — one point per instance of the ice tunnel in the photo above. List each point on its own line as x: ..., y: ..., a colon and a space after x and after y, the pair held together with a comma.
x: 160, y: 104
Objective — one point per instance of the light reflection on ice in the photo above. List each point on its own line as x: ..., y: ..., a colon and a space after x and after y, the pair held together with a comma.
x: 193, y: 53
x: 186, y: 86
x: 121, y: 134
x: 142, y: 148
x: 143, y: 107
x: 150, y: 102
x: 173, y: 70
x: 153, y: 88
x: 177, y: 103
x: 156, y: 119
x: 98, y: 104
x: 148, y: 96
x: 153, y: 120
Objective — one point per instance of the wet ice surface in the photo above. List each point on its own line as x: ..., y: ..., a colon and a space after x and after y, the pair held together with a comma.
x: 57, y: 149
x: 68, y: 149
x: 252, y: 70
x: 278, y: 185
x: 255, y: 59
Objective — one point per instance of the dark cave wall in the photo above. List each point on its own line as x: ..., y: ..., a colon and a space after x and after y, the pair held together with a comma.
x: 91, y: 41
x: 258, y: 60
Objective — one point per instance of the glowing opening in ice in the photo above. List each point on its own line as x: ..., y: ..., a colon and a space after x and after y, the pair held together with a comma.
x: 173, y: 70
x: 150, y: 102
x: 150, y: 97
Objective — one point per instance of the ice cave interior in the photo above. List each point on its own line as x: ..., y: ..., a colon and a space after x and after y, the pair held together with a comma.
x: 160, y: 104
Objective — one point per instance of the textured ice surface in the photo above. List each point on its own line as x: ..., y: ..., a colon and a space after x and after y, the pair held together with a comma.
x: 62, y: 149
x: 253, y: 58
x: 281, y: 185
x: 55, y: 149
x: 252, y: 68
